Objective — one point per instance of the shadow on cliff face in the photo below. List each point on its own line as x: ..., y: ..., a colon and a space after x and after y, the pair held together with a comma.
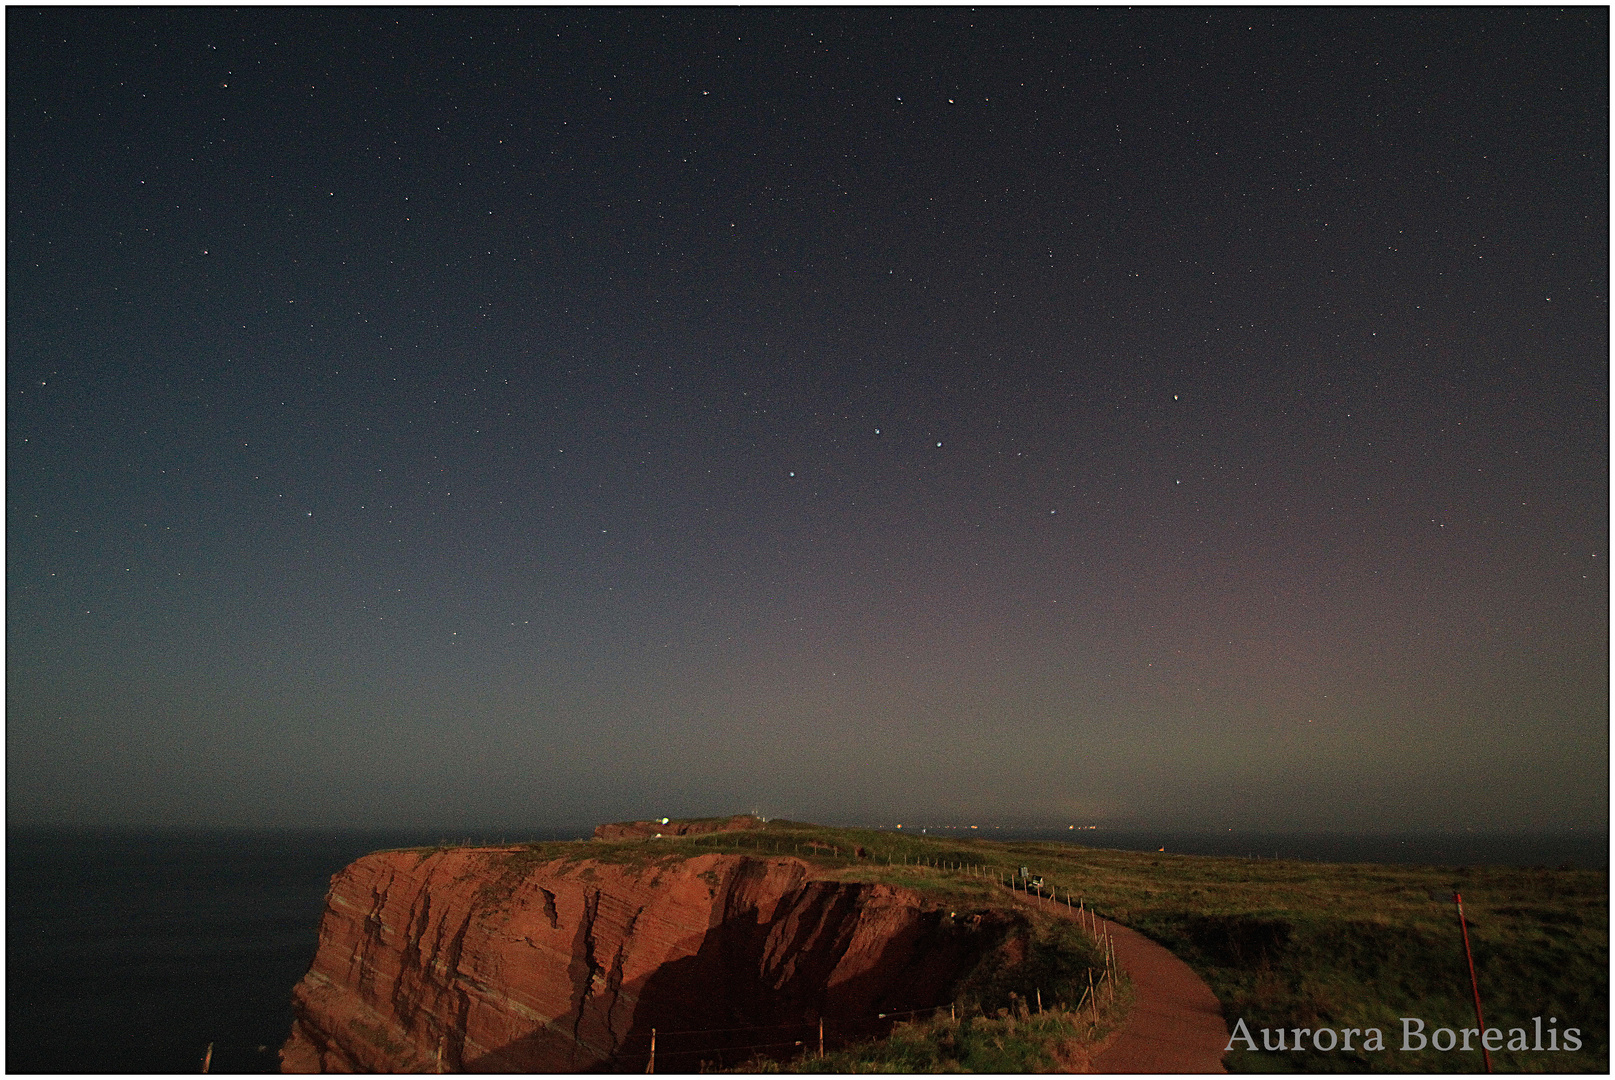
x: 843, y: 952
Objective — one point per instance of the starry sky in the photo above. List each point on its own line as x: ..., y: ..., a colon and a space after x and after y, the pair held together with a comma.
x: 525, y: 416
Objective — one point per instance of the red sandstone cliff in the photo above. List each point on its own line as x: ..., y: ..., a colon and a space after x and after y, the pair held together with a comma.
x: 489, y: 961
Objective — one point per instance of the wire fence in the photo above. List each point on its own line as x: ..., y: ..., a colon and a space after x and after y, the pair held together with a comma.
x: 933, y: 1009
x: 834, y: 1033
x: 823, y: 1034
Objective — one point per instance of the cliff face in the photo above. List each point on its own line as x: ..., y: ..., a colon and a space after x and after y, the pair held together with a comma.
x: 486, y: 961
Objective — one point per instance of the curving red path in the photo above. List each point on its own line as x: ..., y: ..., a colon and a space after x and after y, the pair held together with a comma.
x: 1176, y: 1025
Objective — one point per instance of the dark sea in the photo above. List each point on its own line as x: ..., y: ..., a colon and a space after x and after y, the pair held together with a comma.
x: 131, y: 953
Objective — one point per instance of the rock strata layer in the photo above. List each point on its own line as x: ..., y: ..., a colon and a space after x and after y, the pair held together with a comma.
x: 490, y: 960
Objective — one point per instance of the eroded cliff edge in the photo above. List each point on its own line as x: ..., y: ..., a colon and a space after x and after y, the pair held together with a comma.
x: 490, y: 960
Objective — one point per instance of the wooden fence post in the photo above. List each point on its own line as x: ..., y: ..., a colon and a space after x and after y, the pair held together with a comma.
x: 1110, y: 960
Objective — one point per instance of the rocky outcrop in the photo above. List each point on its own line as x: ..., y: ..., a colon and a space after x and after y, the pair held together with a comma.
x: 490, y: 960
x: 629, y: 830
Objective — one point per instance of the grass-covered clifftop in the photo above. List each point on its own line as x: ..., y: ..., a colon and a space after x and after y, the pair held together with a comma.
x: 1297, y: 944
x: 1282, y: 943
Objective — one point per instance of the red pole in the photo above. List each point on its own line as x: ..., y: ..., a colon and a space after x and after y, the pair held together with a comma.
x: 1473, y: 984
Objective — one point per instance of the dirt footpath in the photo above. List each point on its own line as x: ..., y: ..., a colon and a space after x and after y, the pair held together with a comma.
x: 1176, y: 1025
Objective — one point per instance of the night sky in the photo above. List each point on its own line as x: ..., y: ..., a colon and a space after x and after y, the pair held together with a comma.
x: 516, y: 417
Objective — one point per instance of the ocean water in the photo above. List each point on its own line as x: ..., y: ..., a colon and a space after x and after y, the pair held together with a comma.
x: 131, y: 953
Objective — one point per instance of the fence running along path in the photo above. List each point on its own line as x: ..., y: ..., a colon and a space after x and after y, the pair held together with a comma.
x: 820, y: 1033
x: 1176, y: 1025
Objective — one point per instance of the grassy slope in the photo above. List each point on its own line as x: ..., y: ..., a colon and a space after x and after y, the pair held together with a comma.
x: 1281, y: 942
x: 1297, y: 944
